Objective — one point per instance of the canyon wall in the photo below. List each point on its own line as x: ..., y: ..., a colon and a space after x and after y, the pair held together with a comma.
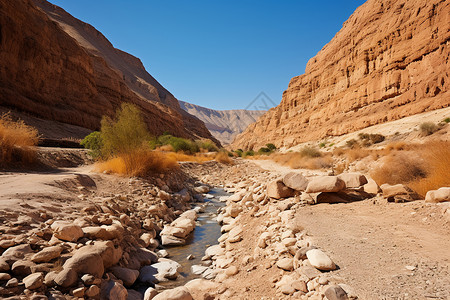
x: 224, y: 125
x: 58, y: 68
x: 390, y: 60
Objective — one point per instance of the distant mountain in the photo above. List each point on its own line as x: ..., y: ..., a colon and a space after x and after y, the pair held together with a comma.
x: 223, y: 124
x: 63, y: 71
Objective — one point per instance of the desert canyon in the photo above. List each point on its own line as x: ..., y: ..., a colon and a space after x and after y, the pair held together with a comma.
x: 112, y: 188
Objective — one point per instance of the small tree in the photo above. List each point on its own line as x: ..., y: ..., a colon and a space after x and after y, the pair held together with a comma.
x: 124, y: 134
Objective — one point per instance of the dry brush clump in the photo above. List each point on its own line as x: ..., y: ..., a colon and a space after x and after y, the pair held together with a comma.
x: 17, y: 142
x: 306, y: 158
x: 421, y: 167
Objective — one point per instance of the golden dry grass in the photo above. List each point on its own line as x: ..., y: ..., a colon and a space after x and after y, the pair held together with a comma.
x: 17, y: 142
x: 422, y: 167
x: 223, y: 158
x: 298, y: 160
x: 139, y: 162
x: 198, y: 158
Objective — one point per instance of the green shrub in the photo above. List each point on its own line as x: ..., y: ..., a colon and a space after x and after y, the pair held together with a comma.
x: 322, y: 145
x: 249, y: 153
x: 428, y: 128
x: 93, y: 142
x: 264, y: 151
x: 239, y: 152
x: 310, y: 152
x: 127, y: 132
x: 207, y: 145
x: 271, y: 147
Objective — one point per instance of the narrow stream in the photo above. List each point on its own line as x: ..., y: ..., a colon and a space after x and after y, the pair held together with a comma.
x: 205, y: 234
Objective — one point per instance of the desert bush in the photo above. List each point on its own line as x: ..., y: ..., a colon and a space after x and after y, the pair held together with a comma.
x: 17, y: 142
x: 297, y: 160
x: 178, y: 144
x: 351, y: 143
x: 370, y: 139
x: 93, y: 142
x: 248, y: 153
x: 436, y: 157
x: 271, y: 147
x: 239, y: 152
x: 207, y: 145
x: 125, y: 134
x: 446, y: 120
x: 223, y: 157
x: 310, y: 152
x: 428, y: 128
x: 264, y: 151
x: 138, y: 162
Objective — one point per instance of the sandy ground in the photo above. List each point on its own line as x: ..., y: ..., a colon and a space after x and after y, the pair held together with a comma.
x: 399, y: 251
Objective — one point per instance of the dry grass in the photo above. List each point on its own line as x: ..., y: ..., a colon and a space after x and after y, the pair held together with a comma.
x: 298, y: 160
x: 139, y: 162
x: 17, y: 142
x: 421, y: 167
x: 198, y: 158
x: 223, y: 158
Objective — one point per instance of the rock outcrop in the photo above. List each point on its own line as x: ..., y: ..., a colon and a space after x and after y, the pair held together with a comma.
x: 58, y: 68
x: 390, y: 60
x: 224, y: 125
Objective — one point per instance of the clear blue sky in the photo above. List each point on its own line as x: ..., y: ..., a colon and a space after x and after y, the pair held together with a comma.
x: 218, y: 54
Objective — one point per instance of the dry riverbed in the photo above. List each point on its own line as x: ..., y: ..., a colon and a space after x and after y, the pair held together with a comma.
x: 74, y: 233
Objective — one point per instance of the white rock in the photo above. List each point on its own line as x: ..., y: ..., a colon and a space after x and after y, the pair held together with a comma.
x: 440, y: 195
x: 320, y: 260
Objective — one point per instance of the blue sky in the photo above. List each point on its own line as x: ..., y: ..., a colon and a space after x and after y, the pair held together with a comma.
x: 218, y: 54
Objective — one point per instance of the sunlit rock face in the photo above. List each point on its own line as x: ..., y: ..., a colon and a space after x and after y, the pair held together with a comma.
x: 390, y: 60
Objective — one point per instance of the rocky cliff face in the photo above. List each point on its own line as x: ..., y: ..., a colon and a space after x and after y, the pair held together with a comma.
x: 223, y: 124
x: 390, y: 60
x: 58, y: 68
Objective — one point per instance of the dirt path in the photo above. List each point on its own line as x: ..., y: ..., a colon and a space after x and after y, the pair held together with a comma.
x: 384, y: 250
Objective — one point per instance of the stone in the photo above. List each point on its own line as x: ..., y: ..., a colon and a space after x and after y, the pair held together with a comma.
x: 4, y: 266
x: 150, y: 293
x: 232, y: 270
x: 203, y: 189
x: 335, y: 292
x: 300, y: 285
x: 95, y: 232
x: 33, y: 281
x: 4, y: 276
x: 234, y: 210
x: 179, y: 293
x: 128, y: 276
x: 394, y: 190
x: 16, y: 253
x: 287, y: 289
x: 209, y: 274
x: 163, y: 270
x: 439, y: 195
x: 115, y: 291
x: 285, y: 264
x: 295, y: 181
x: 85, y: 262
x: 320, y: 260
x: 371, y: 187
x: 66, y: 278
x: 7, y: 243
x: 189, y: 214
x: 198, y: 269
x: 79, y: 292
x: 353, y: 180
x: 22, y: 267
x: 215, y: 250
x: 92, y: 291
x: 47, y: 254
x: 66, y: 231
x: 321, y: 184
x: 277, y: 190
x: 169, y: 240
x: 89, y: 279
x: 13, y: 282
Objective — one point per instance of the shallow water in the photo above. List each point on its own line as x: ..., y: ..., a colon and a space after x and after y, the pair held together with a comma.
x: 204, y: 235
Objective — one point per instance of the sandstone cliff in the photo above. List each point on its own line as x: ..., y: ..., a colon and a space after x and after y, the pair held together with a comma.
x: 390, y: 60
x: 223, y: 124
x: 57, y: 68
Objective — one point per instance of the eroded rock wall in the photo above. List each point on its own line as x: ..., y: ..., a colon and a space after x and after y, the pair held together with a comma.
x: 390, y: 60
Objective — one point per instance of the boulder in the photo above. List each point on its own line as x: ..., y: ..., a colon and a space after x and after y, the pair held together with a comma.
x: 22, y: 267
x: 440, y: 195
x: 86, y: 261
x: 234, y: 210
x: 215, y: 250
x: 295, y: 181
x: 203, y: 189
x: 161, y: 271
x: 277, y: 190
x: 179, y: 293
x: 189, y: 214
x: 33, y: 281
x: 371, y: 187
x: 141, y: 257
x: 150, y: 293
x: 65, y: 278
x: 398, y: 193
x: 95, y: 232
x: 285, y: 264
x: 92, y: 292
x: 169, y: 240
x: 4, y: 276
x: 128, y: 276
x: 198, y: 269
x: 353, y: 180
x: 16, y: 253
x: 325, y: 184
x: 320, y: 260
x: 114, y: 291
x: 4, y: 266
x: 335, y: 292
x: 47, y: 254
x: 67, y: 231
